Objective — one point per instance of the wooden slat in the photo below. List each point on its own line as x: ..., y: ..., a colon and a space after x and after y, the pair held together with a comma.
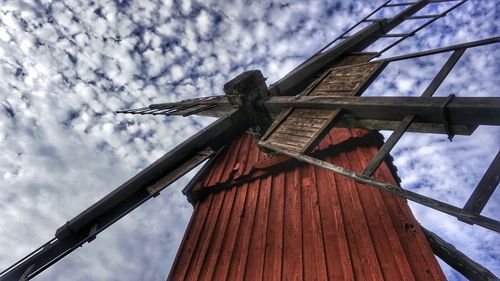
x: 230, y: 237
x: 343, y: 80
x: 215, y: 245
x: 196, y: 263
x: 312, y: 236
x: 256, y: 252
x: 338, y: 258
x: 240, y: 252
x: 292, y: 246
x: 188, y: 246
x: 274, y: 238
x: 357, y: 227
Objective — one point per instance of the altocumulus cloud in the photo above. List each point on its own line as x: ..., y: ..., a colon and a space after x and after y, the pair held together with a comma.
x: 66, y: 66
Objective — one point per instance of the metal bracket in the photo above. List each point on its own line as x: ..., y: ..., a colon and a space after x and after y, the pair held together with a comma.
x: 446, y: 120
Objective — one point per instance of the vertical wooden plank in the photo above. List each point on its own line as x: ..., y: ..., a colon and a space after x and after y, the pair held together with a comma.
x: 215, y: 244
x: 418, y: 252
x: 391, y: 255
x: 292, y: 250
x: 256, y: 252
x: 338, y: 258
x: 312, y: 235
x: 230, y: 237
x: 205, y: 237
x: 186, y: 250
x: 274, y: 238
x: 240, y: 252
x: 232, y: 159
x: 357, y: 225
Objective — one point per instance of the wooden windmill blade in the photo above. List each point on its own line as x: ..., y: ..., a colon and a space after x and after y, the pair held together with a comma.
x: 343, y: 71
x: 301, y: 129
x: 145, y: 185
x: 213, y: 106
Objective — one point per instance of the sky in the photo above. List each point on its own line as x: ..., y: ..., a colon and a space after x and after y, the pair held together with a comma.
x: 67, y: 66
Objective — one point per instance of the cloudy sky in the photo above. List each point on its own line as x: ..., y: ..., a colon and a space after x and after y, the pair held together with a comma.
x: 66, y: 66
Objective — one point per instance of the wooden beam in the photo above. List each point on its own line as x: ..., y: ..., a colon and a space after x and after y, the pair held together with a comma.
x: 459, y: 110
x: 246, y: 92
x: 405, y: 124
x: 485, y: 188
x: 443, y: 73
x: 388, y: 145
x: 410, y: 195
x: 456, y: 259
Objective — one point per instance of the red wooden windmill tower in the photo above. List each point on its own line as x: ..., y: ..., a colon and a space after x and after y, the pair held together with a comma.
x: 299, y: 184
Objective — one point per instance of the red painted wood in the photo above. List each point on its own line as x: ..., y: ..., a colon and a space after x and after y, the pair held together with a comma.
x: 240, y: 253
x: 303, y: 223
x: 228, y: 245
x: 274, y: 237
x: 292, y: 248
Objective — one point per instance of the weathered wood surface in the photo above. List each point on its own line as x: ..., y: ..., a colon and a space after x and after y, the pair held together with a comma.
x: 457, y: 260
x: 246, y: 92
x: 459, y: 110
x: 310, y: 125
x: 303, y: 222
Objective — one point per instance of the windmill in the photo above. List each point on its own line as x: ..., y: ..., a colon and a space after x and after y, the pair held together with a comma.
x: 289, y: 121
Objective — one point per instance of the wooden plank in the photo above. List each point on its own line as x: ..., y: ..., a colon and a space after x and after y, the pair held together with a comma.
x: 195, y: 266
x: 485, y: 187
x: 415, y: 126
x: 363, y: 76
x: 346, y: 80
x: 384, y: 233
x: 418, y: 198
x: 357, y: 226
x: 418, y: 252
x: 230, y: 237
x: 187, y: 248
x: 215, y: 244
x: 312, y: 235
x: 338, y: 258
x: 292, y: 246
x: 274, y: 237
x: 256, y: 252
x: 240, y: 252
x: 460, y: 110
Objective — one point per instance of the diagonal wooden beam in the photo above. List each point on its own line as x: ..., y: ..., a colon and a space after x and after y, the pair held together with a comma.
x: 388, y: 145
x: 485, y: 188
x: 446, y: 208
x: 456, y: 259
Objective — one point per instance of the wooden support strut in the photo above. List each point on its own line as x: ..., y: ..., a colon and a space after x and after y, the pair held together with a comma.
x: 456, y: 259
x: 446, y: 208
x: 485, y: 188
x: 405, y: 124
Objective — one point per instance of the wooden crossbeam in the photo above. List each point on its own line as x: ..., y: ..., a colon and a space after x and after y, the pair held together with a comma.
x: 459, y: 110
x: 446, y: 208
